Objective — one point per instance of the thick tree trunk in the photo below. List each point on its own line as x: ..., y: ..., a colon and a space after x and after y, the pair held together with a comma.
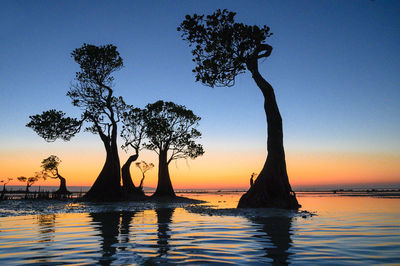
x: 128, y: 187
x: 164, y: 185
x: 63, y: 186
x: 108, y: 184
x: 271, y: 188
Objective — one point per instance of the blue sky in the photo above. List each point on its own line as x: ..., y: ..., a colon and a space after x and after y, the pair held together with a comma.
x: 335, y: 68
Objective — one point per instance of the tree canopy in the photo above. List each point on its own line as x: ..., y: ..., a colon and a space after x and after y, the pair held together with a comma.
x: 30, y: 180
x: 50, y: 166
x: 133, y: 128
x: 91, y: 92
x: 172, y: 127
x: 52, y: 125
x: 222, y: 48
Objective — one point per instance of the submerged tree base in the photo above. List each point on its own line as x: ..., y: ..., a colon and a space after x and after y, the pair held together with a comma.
x: 260, y: 200
x: 271, y: 189
x: 260, y: 197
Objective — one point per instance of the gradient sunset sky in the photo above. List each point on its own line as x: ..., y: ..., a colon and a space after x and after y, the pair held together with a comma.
x: 335, y: 69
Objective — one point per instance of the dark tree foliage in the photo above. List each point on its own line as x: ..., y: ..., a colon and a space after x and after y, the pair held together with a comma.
x: 50, y: 165
x: 133, y: 128
x: 50, y: 169
x: 52, y: 124
x: 133, y: 134
x: 170, y: 128
x: 92, y: 92
x: 97, y: 63
x: 222, y: 49
x: 30, y: 180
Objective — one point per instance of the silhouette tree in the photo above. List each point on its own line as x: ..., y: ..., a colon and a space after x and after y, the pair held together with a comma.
x: 92, y: 92
x: 170, y: 127
x: 5, y: 182
x: 30, y: 180
x: 222, y: 49
x: 133, y: 133
x: 50, y: 169
x: 143, y: 167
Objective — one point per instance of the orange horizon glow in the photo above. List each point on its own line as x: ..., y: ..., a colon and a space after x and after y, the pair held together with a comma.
x: 218, y: 170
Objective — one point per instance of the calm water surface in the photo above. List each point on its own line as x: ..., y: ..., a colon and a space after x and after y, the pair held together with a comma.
x: 346, y: 230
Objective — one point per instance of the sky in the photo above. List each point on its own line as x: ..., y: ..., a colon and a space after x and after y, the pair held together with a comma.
x: 335, y: 69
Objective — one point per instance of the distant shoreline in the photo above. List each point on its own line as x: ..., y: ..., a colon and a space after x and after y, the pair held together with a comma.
x: 84, y: 189
x: 78, y: 191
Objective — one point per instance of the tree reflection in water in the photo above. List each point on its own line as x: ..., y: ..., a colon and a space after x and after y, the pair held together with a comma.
x: 113, y: 226
x: 278, y: 230
x: 46, y: 230
x: 126, y: 220
x: 46, y: 224
x: 164, y: 218
x: 110, y: 226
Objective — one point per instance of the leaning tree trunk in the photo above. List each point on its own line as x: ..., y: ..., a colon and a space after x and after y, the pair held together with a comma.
x: 164, y: 185
x: 108, y: 184
x: 128, y: 187
x: 271, y: 188
x: 63, y: 186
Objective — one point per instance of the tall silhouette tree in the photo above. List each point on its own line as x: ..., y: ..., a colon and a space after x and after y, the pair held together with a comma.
x: 170, y: 128
x: 92, y: 92
x: 223, y: 49
x: 133, y: 134
x: 50, y: 169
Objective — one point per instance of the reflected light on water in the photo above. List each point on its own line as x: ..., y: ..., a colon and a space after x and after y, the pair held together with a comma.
x: 345, y: 230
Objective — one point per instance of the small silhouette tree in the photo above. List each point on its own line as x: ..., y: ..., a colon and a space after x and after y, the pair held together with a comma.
x: 93, y: 94
x: 5, y: 182
x: 30, y: 180
x: 222, y: 49
x: 172, y: 128
x: 50, y: 169
x: 143, y: 167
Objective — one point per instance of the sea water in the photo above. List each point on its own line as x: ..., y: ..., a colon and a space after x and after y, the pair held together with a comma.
x: 344, y: 230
